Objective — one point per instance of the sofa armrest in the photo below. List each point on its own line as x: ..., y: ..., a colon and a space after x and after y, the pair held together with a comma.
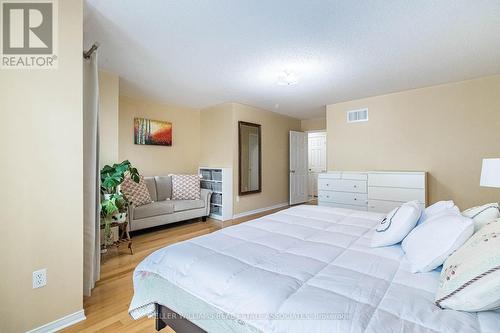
x: 130, y: 215
x: 205, y: 196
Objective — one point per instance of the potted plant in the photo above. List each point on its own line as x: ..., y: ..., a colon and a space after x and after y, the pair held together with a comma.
x: 114, y: 204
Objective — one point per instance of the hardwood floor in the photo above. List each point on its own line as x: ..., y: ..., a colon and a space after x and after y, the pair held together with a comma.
x: 107, y: 309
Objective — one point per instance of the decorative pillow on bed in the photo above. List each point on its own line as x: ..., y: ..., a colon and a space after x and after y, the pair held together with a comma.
x: 440, y: 207
x: 429, y: 244
x: 136, y: 193
x: 470, y: 279
x: 483, y: 214
x: 185, y: 187
x: 398, y: 223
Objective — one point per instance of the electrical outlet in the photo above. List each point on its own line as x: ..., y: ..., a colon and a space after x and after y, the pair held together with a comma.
x: 39, y: 278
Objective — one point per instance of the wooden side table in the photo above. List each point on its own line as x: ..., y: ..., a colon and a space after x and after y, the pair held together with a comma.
x: 123, y: 236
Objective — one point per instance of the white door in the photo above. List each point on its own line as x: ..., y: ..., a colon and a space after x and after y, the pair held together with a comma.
x: 298, y: 167
x: 317, y: 160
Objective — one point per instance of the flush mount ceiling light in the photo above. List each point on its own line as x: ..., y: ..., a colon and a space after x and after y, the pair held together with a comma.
x: 287, y: 78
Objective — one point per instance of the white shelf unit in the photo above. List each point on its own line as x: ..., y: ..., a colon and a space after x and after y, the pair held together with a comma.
x: 220, y: 182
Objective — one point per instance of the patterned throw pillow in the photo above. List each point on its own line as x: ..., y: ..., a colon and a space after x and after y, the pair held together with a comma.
x: 185, y: 187
x: 470, y: 279
x: 136, y: 193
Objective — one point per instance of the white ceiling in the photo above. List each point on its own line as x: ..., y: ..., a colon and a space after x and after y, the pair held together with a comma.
x: 200, y: 53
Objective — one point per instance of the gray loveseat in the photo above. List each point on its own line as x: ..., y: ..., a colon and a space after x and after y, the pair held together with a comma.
x: 163, y: 210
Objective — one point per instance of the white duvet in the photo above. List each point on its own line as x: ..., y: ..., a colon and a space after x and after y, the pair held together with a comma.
x: 315, y: 264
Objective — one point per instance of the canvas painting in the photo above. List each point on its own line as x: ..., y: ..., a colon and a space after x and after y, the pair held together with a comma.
x: 152, y: 132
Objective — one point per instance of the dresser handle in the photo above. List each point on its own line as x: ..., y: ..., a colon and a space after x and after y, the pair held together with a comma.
x: 355, y: 199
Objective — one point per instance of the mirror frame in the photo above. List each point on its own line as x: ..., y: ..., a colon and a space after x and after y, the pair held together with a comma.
x: 240, y: 124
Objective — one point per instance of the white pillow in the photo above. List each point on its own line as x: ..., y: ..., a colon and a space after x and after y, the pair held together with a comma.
x: 398, y: 223
x: 429, y: 244
x: 470, y: 279
x: 439, y: 207
x: 483, y: 214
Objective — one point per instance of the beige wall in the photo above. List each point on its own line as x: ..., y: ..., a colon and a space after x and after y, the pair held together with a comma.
x: 216, y: 145
x: 445, y: 130
x: 181, y: 157
x: 313, y: 124
x: 42, y: 222
x: 220, y: 124
x: 108, y: 117
x: 275, y: 136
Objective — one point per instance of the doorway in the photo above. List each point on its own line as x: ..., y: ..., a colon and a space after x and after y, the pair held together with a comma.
x: 316, y: 157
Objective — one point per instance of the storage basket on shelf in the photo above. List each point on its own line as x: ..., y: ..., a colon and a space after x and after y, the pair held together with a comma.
x: 217, y: 187
x: 216, y: 198
x: 217, y: 175
x: 207, y: 185
x: 216, y: 210
x: 206, y: 174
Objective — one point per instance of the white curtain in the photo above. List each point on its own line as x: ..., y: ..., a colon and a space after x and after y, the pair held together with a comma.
x: 91, y: 178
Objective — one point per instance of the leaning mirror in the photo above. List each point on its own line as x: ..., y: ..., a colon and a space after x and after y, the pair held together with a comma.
x: 249, y: 158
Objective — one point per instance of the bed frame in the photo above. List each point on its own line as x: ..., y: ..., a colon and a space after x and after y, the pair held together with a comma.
x: 166, y: 317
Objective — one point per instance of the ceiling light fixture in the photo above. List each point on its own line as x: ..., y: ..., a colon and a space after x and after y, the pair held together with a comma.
x: 287, y: 78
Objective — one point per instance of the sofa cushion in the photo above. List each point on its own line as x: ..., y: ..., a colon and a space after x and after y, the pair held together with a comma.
x: 136, y: 193
x: 151, y: 185
x: 163, y: 187
x: 180, y: 205
x: 153, y: 209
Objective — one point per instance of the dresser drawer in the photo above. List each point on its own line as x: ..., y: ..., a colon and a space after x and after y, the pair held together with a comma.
x: 337, y: 205
x: 347, y: 198
x: 330, y: 175
x: 396, y: 194
x: 354, y: 175
x: 381, y: 206
x: 342, y: 185
x: 405, y: 180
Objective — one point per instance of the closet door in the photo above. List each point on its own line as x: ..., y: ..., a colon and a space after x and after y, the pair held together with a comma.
x: 316, y: 160
x: 298, y: 167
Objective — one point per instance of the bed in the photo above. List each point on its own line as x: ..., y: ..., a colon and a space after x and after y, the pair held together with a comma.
x: 303, y: 269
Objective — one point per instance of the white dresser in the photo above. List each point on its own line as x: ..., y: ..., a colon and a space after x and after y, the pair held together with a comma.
x: 343, y: 189
x: 371, y: 190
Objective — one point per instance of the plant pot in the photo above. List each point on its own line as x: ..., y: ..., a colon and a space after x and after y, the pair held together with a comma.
x: 109, y: 239
x: 119, y: 217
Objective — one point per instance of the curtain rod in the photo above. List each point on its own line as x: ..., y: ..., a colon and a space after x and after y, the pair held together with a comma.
x: 87, y: 54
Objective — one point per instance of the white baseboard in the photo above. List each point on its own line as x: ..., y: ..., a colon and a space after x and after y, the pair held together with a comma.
x: 60, y: 323
x: 260, y: 210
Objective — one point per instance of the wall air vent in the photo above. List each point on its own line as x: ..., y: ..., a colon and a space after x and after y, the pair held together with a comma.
x: 355, y: 116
